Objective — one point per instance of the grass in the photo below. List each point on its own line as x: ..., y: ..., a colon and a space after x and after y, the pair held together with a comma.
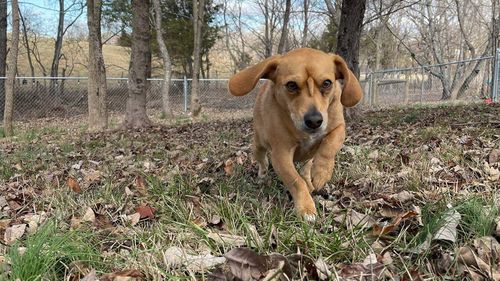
x: 50, y: 254
x: 182, y: 167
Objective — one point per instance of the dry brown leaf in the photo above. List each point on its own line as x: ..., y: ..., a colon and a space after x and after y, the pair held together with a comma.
x: 13, y: 233
x: 322, y: 269
x: 133, y: 219
x: 385, y: 229
x: 74, y: 185
x: 229, y: 167
x: 140, y: 186
x: 91, y: 276
x: 224, y: 238
x: 358, y: 219
x: 358, y: 271
x: 175, y: 257
x: 4, y: 224
x: 89, y: 215
x: 34, y: 220
x: 402, y: 197
x: 494, y: 156
x: 413, y: 275
x: 130, y: 275
x: 146, y: 211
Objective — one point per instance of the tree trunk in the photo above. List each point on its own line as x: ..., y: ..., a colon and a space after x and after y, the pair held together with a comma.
x: 305, y: 30
x: 350, y: 26
x: 268, y: 33
x: 97, y: 87
x: 140, y: 67
x: 198, y: 9
x: 284, y: 31
x: 3, y: 50
x: 11, y: 72
x: 167, y: 63
x: 27, y: 45
x: 54, y: 70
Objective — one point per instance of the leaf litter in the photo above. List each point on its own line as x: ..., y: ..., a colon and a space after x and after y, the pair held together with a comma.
x: 379, y: 201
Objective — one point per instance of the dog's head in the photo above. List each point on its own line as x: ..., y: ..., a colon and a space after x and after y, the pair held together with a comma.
x: 304, y: 84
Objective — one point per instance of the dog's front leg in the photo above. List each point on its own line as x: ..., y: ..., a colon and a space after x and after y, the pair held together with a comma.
x: 282, y: 161
x: 324, y: 159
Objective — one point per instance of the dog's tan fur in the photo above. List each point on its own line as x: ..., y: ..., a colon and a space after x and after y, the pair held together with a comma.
x: 279, y: 117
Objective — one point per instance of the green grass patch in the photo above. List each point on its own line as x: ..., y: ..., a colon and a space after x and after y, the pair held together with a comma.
x: 49, y: 253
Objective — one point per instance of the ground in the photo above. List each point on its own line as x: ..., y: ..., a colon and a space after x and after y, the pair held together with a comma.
x: 414, y: 196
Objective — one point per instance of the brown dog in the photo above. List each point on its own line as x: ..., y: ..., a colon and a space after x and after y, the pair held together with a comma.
x: 299, y: 117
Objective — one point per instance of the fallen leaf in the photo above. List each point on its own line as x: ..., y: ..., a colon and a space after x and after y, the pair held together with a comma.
x: 358, y: 219
x: 358, y: 271
x: 145, y: 211
x: 13, y: 233
x: 124, y: 275
x: 128, y: 192
x: 481, y: 258
x: 256, y: 240
x: 89, y: 215
x: 74, y: 185
x: 91, y: 276
x: 140, y: 186
x: 77, y: 166
x: 448, y: 229
x: 322, y: 268
x: 133, y: 219
x: 229, y: 167
x: 224, y: 238
x: 387, y: 228
x: 246, y: 264
x: 412, y: 275
x: 402, y: 197
x: 175, y: 257
x: 494, y: 156
x: 4, y: 223
x: 34, y: 220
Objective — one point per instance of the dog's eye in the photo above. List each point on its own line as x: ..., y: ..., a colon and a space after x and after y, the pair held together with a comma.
x: 292, y: 86
x: 326, y: 84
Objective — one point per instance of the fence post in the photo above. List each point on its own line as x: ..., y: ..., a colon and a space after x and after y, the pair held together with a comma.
x: 495, y: 79
x: 422, y: 84
x: 185, y: 90
x: 370, y: 90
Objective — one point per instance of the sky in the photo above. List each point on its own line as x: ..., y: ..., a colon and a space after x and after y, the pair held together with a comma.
x: 44, y: 14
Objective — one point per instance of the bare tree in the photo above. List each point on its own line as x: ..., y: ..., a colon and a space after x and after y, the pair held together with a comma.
x: 198, y: 10
x: 448, y: 30
x: 97, y: 87
x: 26, y: 43
x: 284, y: 29
x: 167, y: 63
x: 61, y: 31
x: 234, y: 39
x: 140, y: 67
x: 11, y: 72
x: 305, y: 30
x: 3, y: 46
x: 349, y: 34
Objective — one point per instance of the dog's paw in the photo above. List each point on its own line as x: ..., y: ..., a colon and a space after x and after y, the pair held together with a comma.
x: 309, y: 217
x: 307, y: 210
x: 320, y: 175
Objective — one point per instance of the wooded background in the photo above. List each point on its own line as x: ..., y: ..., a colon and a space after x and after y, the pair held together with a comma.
x: 216, y: 38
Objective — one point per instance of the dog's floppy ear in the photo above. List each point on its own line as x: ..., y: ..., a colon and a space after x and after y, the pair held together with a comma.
x: 352, y: 93
x: 244, y: 81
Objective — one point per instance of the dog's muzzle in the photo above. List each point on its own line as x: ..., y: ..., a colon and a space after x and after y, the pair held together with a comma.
x: 313, y: 120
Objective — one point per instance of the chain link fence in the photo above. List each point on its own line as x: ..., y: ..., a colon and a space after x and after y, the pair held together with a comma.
x: 468, y: 80
x: 471, y: 80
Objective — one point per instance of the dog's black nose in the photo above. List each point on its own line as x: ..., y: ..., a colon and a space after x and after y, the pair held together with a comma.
x: 313, y: 119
